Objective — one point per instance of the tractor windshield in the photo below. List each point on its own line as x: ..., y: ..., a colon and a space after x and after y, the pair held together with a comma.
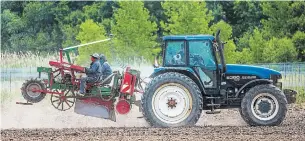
x: 201, y: 54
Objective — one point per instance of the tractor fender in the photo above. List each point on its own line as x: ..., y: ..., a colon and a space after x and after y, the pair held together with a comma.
x: 254, y: 83
x: 190, y: 73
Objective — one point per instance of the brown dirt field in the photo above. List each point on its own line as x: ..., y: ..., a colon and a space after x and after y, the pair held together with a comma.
x: 293, y: 128
x: 193, y: 133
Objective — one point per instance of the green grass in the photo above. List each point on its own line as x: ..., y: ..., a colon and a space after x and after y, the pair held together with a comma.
x: 293, y: 78
x: 27, y: 59
x: 6, y: 95
x: 30, y: 59
x: 301, y: 96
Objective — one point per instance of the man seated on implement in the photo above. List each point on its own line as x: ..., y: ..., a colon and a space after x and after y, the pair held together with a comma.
x: 106, y: 69
x: 93, y: 73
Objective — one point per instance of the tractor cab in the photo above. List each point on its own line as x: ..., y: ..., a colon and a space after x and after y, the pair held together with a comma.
x: 197, y: 56
x: 195, y: 52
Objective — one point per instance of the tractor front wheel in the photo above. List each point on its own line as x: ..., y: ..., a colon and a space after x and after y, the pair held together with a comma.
x: 29, y: 90
x: 170, y: 100
x: 264, y: 105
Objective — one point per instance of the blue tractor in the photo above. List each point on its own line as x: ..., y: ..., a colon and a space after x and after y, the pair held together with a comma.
x: 194, y: 77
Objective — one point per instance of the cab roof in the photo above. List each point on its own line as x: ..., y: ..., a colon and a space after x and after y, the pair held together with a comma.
x: 188, y: 37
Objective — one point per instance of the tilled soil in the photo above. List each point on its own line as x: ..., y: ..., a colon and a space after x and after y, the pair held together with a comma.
x: 143, y: 133
x: 293, y: 128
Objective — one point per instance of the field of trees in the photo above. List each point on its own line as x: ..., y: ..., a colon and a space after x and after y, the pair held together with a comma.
x: 256, y: 32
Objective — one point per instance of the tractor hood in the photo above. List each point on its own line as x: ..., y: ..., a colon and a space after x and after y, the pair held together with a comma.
x: 263, y: 73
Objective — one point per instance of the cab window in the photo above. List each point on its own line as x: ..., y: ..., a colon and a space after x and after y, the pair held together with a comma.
x: 175, y: 53
x: 201, y: 54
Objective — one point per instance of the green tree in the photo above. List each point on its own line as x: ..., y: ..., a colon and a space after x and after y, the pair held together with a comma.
x: 279, y: 50
x: 217, y: 10
x: 243, y: 41
x: 248, y: 15
x: 186, y: 18
x: 279, y: 18
x: 194, y: 18
x: 244, y: 57
x: 134, y: 34
x: 156, y: 14
x: 285, y: 19
x: 299, y: 42
x: 89, y: 32
x: 257, y: 44
x: 226, y: 36
x: 11, y: 24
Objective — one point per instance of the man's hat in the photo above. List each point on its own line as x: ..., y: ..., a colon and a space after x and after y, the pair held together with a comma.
x: 103, y: 57
x: 95, y: 55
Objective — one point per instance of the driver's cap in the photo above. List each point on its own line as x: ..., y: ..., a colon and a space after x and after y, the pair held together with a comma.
x: 95, y: 55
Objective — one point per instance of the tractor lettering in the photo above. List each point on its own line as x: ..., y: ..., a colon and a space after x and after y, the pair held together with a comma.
x: 235, y: 78
x: 248, y: 77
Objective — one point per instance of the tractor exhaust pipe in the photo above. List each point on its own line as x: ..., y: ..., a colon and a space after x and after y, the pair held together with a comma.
x: 221, y: 52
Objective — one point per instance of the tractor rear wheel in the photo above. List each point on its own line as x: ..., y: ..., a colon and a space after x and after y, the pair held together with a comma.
x: 170, y: 100
x: 29, y: 86
x: 264, y: 105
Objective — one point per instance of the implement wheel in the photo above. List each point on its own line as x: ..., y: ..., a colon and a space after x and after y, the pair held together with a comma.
x: 63, y: 102
x: 29, y: 86
x: 264, y: 105
x: 170, y: 100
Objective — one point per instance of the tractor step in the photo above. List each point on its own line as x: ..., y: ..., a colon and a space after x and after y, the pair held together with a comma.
x: 213, y: 105
x: 212, y: 112
x: 212, y: 97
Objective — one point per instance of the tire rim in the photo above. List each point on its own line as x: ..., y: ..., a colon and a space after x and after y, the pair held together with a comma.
x: 32, y: 86
x: 172, y: 103
x: 264, y: 106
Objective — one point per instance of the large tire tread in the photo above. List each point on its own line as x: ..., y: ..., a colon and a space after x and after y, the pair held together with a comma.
x: 250, y: 119
x: 166, y: 76
x: 26, y: 96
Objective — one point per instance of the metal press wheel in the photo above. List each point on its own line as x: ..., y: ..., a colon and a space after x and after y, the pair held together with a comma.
x: 63, y: 102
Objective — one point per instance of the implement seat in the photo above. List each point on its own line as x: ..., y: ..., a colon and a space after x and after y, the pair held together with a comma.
x: 107, y: 80
x: 101, y: 82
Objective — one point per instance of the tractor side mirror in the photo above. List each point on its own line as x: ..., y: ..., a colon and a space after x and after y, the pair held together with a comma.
x: 156, y: 64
